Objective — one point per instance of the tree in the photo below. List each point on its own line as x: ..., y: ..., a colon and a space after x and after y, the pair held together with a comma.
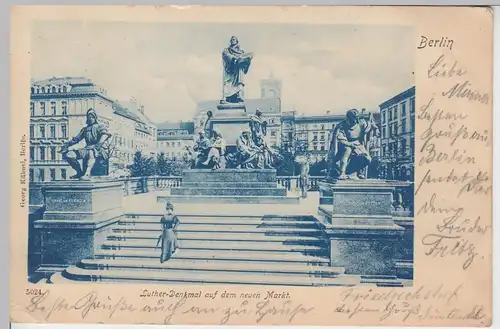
x: 177, y: 166
x: 143, y: 166
x: 162, y: 165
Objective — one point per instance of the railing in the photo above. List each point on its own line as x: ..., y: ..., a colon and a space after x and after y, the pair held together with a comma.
x: 165, y: 182
x: 138, y: 185
x: 403, y: 195
x: 293, y: 182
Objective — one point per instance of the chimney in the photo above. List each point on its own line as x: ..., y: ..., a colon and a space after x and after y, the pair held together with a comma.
x: 328, y: 112
x: 142, y: 109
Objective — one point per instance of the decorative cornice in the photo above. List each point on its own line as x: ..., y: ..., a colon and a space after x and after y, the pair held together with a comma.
x: 399, y: 97
x: 69, y: 95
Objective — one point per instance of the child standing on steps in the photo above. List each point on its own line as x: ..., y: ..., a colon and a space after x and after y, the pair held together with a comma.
x: 168, y: 238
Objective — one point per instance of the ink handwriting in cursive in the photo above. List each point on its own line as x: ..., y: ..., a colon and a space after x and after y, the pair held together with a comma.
x: 85, y: 305
x: 421, y: 303
x: 259, y: 310
x: 440, y: 68
x: 476, y: 183
x: 441, y: 245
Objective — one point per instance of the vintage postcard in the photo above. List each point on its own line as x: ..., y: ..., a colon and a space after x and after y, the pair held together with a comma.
x: 251, y: 165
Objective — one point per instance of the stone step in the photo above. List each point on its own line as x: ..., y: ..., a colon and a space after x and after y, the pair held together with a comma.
x: 221, y: 218
x: 229, y: 175
x: 238, y: 183
x: 250, y: 222
x: 238, y: 199
x: 200, y: 237
x: 228, y: 229
x: 212, y: 265
x: 217, y: 245
x: 201, y: 277
x: 382, y: 280
x: 229, y: 255
x: 228, y: 191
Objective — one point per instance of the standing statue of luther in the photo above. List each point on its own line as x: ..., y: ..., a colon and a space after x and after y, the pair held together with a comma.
x: 236, y: 63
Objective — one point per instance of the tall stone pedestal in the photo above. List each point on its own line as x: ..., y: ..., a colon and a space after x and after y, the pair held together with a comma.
x: 230, y: 120
x: 229, y: 186
x: 357, y: 220
x: 77, y: 218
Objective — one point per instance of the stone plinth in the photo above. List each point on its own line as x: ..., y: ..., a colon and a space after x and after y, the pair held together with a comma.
x: 230, y: 119
x: 77, y: 218
x: 230, y: 186
x: 357, y: 220
x: 230, y: 109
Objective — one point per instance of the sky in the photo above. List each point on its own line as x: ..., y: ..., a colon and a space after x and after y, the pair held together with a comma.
x: 169, y: 67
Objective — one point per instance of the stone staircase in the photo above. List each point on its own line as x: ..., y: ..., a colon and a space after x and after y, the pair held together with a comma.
x: 267, y: 250
x: 214, y: 250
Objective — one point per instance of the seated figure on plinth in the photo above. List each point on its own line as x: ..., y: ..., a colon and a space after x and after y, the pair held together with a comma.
x: 201, y: 146
x: 215, y: 157
x: 268, y: 155
x: 210, y: 152
x: 348, y: 155
x: 93, y: 153
x: 247, y: 155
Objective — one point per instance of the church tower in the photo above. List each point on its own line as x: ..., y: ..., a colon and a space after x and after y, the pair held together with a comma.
x: 270, y: 87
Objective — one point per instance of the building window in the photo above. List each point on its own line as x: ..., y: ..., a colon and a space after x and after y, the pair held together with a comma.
x: 315, y: 136
x: 403, y: 146
x: 32, y: 131
x: 52, y: 174
x: 395, y: 110
x: 52, y: 131
x: 322, y: 148
x: 41, y: 175
x: 64, y: 107
x: 412, y: 123
x: 322, y: 137
x: 63, y: 131
x: 32, y: 179
x: 63, y: 173
x: 167, y: 144
x: 42, y: 107
x: 53, y: 108
x: 32, y: 109
x: 42, y: 153
x: 390, y: 114
x: 52, y: 153
x: 412, y: 105
x: 403, y: 126
x: 383, y: 117
x: 273, y: 133
x: 54, y: 89
x: 403, y: 110
x: 32, y: 153
x: 315, y: 147
x: 42, y: 131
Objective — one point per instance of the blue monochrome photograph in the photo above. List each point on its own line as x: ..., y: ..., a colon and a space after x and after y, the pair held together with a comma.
x: 221, y: 153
